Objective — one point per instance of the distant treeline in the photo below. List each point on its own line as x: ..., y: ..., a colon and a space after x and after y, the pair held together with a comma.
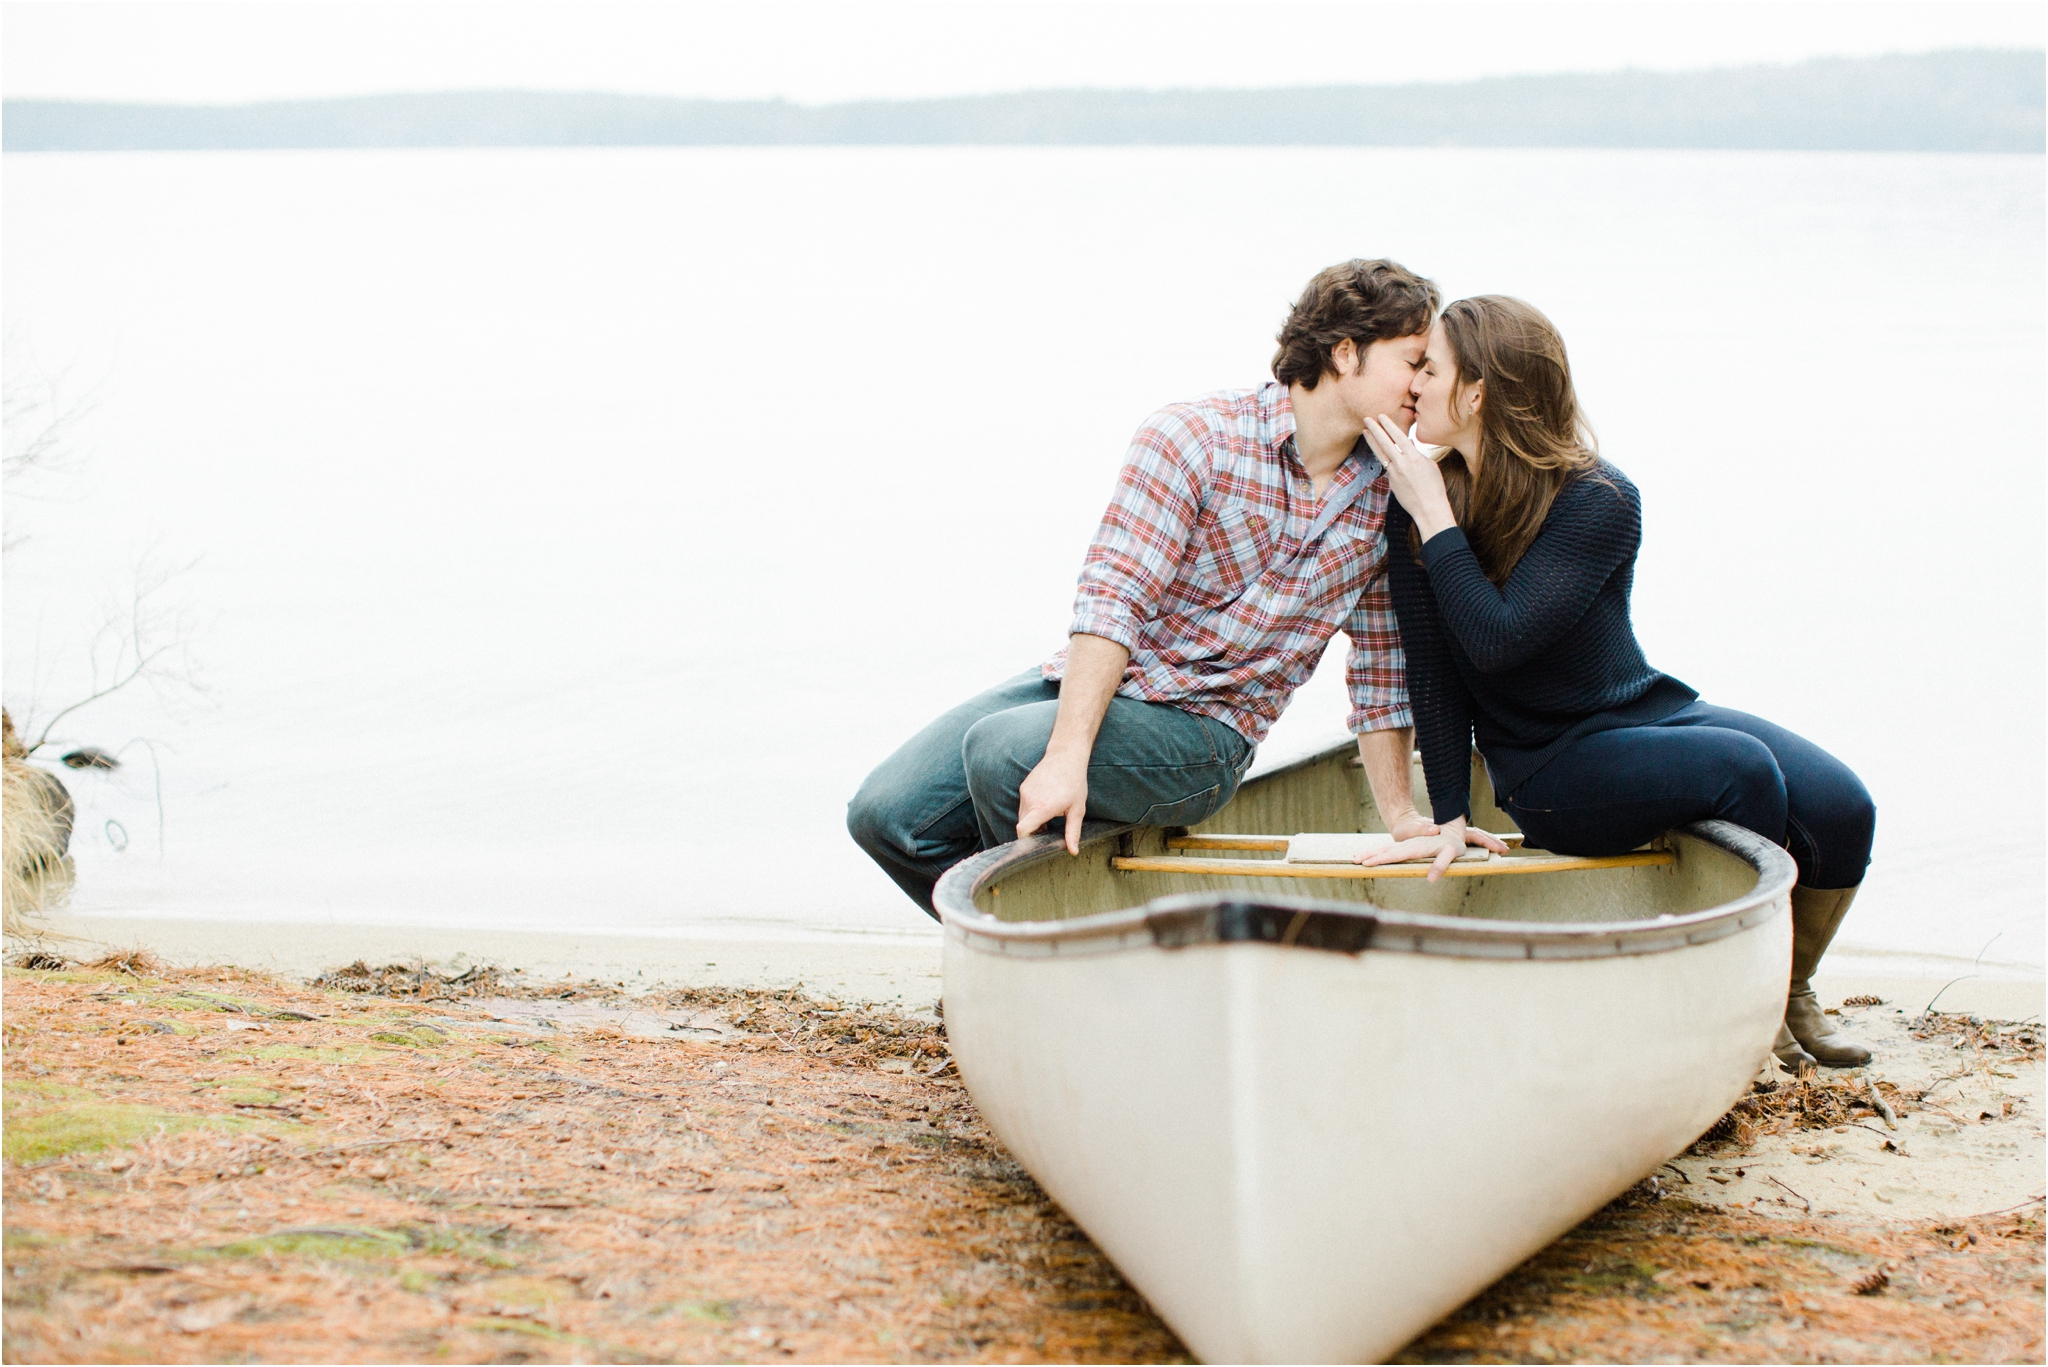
x: 1964, y: 101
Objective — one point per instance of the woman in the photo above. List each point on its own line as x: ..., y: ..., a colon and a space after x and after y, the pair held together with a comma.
x: 1510, y: 559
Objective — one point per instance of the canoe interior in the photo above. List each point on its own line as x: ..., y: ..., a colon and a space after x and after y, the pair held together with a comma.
x: 1329, y: 793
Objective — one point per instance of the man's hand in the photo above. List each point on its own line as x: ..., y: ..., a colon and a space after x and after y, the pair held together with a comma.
x: 1058, y: 787
x: 1390, y: 776
x: 1411, y: 825
x: 1442, y: 848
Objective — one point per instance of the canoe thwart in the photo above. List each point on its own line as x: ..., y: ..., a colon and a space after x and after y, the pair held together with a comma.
x: 1272, y: 844
x: 1280, y: 844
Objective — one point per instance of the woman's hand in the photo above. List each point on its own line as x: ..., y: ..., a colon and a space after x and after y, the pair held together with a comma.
x: 1415, y: 479
x: 1442, y: 849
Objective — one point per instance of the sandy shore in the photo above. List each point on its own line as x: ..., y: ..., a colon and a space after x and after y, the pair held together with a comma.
x: 1970, y: 1141
x: 898, y: 972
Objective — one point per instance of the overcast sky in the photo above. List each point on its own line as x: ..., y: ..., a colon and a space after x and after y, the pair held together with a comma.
x: 185, y: 52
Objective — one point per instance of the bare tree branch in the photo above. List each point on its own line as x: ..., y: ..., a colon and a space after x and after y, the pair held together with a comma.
x: 39, y: 423
x: 149, y: 645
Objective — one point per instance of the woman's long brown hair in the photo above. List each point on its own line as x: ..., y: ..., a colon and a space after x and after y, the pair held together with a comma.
x: 1533, y: 439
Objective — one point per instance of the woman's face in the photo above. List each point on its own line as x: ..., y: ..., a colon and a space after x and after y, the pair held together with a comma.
x: 1442, y: 415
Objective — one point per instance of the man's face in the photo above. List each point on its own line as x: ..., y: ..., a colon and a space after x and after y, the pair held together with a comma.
x: 1376, y: 383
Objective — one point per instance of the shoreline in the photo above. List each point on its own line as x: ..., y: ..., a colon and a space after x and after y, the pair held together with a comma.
x: 902, y: 974
x: 898, y: 971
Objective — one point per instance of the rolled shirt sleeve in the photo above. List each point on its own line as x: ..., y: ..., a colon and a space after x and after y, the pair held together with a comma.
x: 1144, y: 532
x: 1376, y: 673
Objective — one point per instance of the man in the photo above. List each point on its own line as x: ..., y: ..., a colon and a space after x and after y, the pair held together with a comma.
x: 1246, y: 530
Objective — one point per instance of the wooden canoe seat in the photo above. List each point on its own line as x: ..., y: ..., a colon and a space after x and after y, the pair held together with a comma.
x: 1345, y: 847
x: 1325, y: 849
x: 1275, y: 844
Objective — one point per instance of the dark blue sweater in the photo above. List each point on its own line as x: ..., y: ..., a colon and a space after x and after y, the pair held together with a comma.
x: 1528, y: 667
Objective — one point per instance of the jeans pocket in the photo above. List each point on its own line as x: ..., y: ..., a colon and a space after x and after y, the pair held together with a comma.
x: 1244, y: 762
x: 1185, y: 812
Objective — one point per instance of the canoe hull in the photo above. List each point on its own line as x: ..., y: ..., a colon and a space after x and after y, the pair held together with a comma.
x: 1312, y: 1157
x: 1307, y: 1120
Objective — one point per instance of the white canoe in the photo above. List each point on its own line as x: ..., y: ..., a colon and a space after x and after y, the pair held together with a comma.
x: 1308, y: 1116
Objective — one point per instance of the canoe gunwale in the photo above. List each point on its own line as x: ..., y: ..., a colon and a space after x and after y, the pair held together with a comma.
x: 1184, y: 919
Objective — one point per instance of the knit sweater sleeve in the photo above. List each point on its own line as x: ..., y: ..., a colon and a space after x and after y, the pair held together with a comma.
x: 1437, y: 695
x: 1594, y: 527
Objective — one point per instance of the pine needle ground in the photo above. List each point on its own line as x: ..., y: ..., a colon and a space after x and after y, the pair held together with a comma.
x: 214, y: 1166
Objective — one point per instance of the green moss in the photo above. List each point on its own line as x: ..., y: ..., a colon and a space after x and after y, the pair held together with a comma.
x: 45, y: 1120
x: 209, y: 1001
x: 1621, y: 1275
x: 484, y: 1248
x: 531, y: 1328
x: 353, y: 1053
x: 1793, y: 1241
x: 85, y: 1127
x: 70, y: 975
x: 245, y: 1090
x: 350, y: 1245
x: 34, y: 1095
x: 526, y: 1293
x: 413, y: 1037
x: 709, y: 1310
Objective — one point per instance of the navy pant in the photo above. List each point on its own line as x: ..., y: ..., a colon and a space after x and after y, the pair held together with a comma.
x: 951, y: 790
x: 1609, y: 792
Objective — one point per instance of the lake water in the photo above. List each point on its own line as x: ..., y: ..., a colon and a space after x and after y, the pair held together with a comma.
x: 570, y: 530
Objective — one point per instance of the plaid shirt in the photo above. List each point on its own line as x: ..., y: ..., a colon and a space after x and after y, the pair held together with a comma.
x: 1224, y: 576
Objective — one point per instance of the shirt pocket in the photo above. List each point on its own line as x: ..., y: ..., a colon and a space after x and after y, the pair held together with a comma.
x: 1344, y: 564
x: 1226, y: 556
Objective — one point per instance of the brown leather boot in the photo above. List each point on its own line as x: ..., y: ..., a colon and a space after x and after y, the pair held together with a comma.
x: 1816, y: 912
x: 1796, y: 1060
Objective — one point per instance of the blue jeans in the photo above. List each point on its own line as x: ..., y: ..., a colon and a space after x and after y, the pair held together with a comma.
x: 951, y: 790
x: 1613, y: 790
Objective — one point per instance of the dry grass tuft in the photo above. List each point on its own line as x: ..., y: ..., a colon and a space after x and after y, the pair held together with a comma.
x: 136, y: 963
x: 812, y: 1026
x: 1813, y: 1102
x: 2008, y: 1041
x: 820, y: 1028
x: 418, y: 982
x: 35, y: 830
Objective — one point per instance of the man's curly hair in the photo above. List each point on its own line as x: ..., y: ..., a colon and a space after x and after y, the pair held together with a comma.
x: 1367, y: 301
